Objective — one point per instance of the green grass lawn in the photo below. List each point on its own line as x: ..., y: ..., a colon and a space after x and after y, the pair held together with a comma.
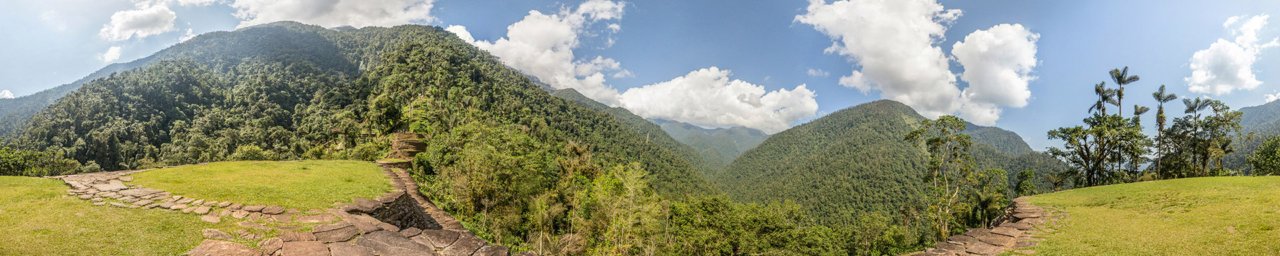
x: 37, y: 217
x: 299, y: 185
x: 1200, y: 216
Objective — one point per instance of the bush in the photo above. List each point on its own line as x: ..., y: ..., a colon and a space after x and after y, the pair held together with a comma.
x: 251, y: 153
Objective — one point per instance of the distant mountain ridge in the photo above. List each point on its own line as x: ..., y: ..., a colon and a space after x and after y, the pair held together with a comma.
x: 856, y: 160
x: 717, y: 146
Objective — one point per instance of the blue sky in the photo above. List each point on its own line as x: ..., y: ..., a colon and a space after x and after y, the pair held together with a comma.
x: 761, y: 44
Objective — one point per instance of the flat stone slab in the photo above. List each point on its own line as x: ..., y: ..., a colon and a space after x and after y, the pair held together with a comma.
x: 982, y: 249
x: 349, y: 249
x: 221, y: 248
x: 336, y: 232
x: 384, y: 242
x: 210, y: 219
x: 997, y: 240
x: 464, y: 246
x: 437, y: 237
x: 273, y: 210
x: 1006, y: 231
x: 215, y: 234
x: 304, y: 248
x: 114, y: 185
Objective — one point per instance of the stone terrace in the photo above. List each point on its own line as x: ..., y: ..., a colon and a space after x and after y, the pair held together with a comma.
x: 360, y: 228
x: 1015, y: 234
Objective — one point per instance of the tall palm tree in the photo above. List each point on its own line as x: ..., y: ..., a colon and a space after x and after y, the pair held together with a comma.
x: 1105, y: 96
x: 1161, y: 97
x: 1121, y: 77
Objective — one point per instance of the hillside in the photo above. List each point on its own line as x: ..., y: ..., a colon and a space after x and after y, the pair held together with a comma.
x: 299, y: 91
x: 717, y: 147
x: 855, y: 160
x: 1263, y: 121
x: 1195, y: 216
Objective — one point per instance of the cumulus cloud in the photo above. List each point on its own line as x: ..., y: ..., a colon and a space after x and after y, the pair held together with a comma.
x: 894, y: 45
x: 542, y: 46
x: 708, y: 97
x: 111, y: 55
x: 334, y: 13
x: 817, y: 72
x: 147, y: 20
x: 997, y: 66
x: 6, y: 94
x: 1272, y: 97
x: 1227, y: 66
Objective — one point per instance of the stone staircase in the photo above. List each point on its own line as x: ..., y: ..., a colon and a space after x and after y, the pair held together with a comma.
x: 1015, y: 234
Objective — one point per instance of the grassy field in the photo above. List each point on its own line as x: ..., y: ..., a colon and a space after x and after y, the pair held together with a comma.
x: 1200, y: 216
x: 37, y: 217
x: 293, y: 184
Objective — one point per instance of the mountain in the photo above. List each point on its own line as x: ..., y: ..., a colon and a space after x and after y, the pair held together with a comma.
x: 300, y: 91
x: 856, y: 160
x: 717, y: 147
x: 1263, y: 121
x: 15, y: 112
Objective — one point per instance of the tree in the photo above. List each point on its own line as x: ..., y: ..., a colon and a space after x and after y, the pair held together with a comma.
x: 1266, y: 159
x: 1121, y: 77
x: 1161, y: 98
x: 1026, y: 184
x: 950, y: 170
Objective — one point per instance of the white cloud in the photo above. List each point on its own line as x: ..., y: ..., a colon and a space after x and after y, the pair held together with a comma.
x: 145, y: 21
x: 708, y: 97
x: 334, y: 13
x: 187, y: 36
x: 894, y: 45
x: 462, y: 33
x: 997, y: 66
x: 111, y: 55
x: 1272, y: 97
x: 1227, y: 66
x: 817, y: 72
x: 196, y: 2
x: 6, y: 94
x: 542, y: 45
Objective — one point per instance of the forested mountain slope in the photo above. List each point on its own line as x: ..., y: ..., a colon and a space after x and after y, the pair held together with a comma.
x: 301, y: 91
x: 650, y: 131
x: 15, y: 112
x: 717, y: 147
x: 856, y: 161
x: 1262, y: 122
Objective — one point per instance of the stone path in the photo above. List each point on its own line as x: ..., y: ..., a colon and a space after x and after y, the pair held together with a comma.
x: 1015, y: 234
x: 364, y: 227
